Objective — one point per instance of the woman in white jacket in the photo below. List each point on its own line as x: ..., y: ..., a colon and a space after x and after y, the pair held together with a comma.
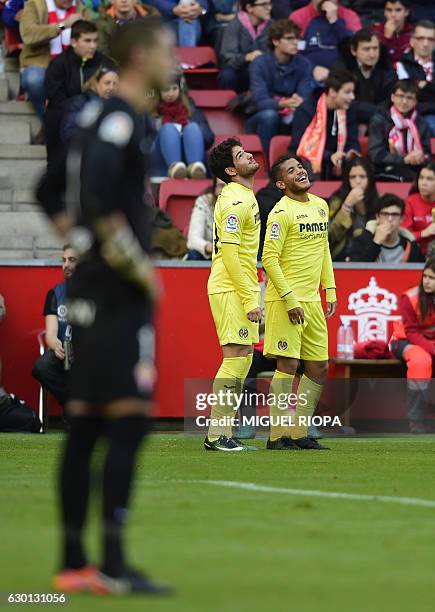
x: 200, y: 236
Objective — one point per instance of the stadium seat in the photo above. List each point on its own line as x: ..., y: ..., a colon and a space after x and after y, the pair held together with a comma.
x: 364, y: 144
x: 199, y: 65
x: 399, y: 189
x: 177, y: 198
x: 324, y: 189
x: 278, y: 147
x: 260, y: 183
x: 213, y: 103
x: 251, y: 143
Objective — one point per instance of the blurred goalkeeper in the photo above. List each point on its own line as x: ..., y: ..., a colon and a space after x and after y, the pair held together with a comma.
x: 96, y: 197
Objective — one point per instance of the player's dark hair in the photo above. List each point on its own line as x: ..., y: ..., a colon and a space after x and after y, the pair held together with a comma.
x: 139, y: 33
x: 405, y: 3
x: 245, y: 3
x: 221, y: 157
x: 423, y: 23
x: 364, y: 35
x: 389, y: 199
x: 338, y: 78
x: 275, y: 171
x: 405, y: 85
x: 371, y: 195
x: 426, y: 302
x: 280, y: 28
x: 82, y: 27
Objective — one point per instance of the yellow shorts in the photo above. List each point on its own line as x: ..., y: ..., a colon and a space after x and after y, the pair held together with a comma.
x: 232, y: 324
x: 285, y: 339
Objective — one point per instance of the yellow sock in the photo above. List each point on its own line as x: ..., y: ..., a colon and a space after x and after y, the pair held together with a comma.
x: 230, y: 377
x: 279, y: 424
x: 309, y: 394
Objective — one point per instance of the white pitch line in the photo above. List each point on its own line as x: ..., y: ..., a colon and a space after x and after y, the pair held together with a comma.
x: 250, y: 486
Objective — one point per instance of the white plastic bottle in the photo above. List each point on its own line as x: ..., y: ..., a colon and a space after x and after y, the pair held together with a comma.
x: 349, y: 342
x: 341, y: 339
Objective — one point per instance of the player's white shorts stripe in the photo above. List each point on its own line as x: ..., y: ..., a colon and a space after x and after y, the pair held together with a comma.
x: 251, y: 486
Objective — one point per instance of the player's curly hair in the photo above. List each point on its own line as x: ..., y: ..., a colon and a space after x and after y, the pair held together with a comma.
x: 221, y: 157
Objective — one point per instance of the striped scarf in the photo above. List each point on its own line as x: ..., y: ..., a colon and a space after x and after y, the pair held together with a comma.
x: 396, y: 139
x: 56, y: 15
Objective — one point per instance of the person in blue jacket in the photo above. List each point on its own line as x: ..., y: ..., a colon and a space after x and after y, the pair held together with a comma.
x: 184, y: 18
x: 11, y: 13
x: 280, y: 80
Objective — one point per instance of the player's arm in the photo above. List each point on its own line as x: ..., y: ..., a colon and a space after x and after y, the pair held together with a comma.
x: 231, y: 235
x: 50, y: 194
x: 276, y: 233
x: 328, y: 280
x: 51, y: 339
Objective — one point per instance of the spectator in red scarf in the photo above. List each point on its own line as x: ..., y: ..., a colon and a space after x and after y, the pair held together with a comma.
x: 420, y: 208
x: 395, y: 32
x: 399, y: 139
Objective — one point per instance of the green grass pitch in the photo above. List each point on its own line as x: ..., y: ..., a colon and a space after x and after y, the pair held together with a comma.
x: 229, y: 549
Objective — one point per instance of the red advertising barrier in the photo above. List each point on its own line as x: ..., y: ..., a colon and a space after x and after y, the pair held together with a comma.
x: 187, y: 346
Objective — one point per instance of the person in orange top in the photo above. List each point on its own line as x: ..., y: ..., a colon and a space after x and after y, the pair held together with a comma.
x: 419, y: 215
x: 413, y: 341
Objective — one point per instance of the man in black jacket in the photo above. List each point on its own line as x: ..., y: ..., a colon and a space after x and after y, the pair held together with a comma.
x: 370, y: 63
x: 419, y: 66
x: 66, y: 75
x: 399, y: 139
x: 383, y: 240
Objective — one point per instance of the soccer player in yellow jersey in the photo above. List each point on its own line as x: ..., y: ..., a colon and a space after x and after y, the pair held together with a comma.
x: 297, y: 259
x: 233, y: 288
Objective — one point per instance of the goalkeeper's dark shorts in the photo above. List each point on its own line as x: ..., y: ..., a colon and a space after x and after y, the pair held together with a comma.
x: 107, y: 343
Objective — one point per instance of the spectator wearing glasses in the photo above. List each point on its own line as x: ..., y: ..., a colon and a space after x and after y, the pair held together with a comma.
x: 280, y: 80
x: 370, y: 64
x: 243, y: 40
x: 399, y: 139
x: 383, y: 240
x: 395, y: 32
x: 324, y: 25
x: 419, y: 66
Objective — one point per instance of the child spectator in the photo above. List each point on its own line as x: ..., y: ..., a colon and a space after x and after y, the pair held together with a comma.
x: 325, y: 130
x: 351, y: 206
x: 419, y: 215
x: 243, y: 40
x: 370, y: 64
x: 184, y: 134
x: 324, y: 24
x: 395, y: 32
x: 280, y: 81
x: 413, y: 341
x: 102, y: 84
x: 419, y: 66
x: 399, y: 139
x: 383, y: 240
x: 200, y: 236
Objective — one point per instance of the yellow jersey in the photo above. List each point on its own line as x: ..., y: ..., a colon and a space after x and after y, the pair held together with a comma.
x: 236, y: 221
x: 296, y: 252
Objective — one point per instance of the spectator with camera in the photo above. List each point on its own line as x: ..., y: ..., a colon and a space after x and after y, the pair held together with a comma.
x: 50, y: 369
x: 280, y: 81
x: 419, y: 215
x: 383, y: 240
x: 399, y: 139
x: 324, y: 25
x: 243, y: 40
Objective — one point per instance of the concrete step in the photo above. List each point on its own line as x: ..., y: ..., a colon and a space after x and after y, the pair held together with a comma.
x: 22, y: 152
x: 20, y: 111
x: 25, y: 230
x: 15, y: 132
x: 13, y: 79
x: 20, y: 175
x: 12, y: 64
x: 4, y: 90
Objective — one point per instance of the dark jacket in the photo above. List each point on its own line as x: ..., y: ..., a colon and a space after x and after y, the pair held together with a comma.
x: 322, y: 40
x: 73, y: 107
x: 409, y: 68
x: 379, y: 130
x: 66, y: 75
x: 365, y: 249
x: 266, y: 198
x: 302, y: 120
x: 269, y: 79
x: 165, y: 7
x: 237, y: 42
x: 374, y: 90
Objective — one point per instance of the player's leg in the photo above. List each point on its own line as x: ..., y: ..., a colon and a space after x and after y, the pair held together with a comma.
x: 282, y: 340
x: 314, y: 352
x: 236, y: 336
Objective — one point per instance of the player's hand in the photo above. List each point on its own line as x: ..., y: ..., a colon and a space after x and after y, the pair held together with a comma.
x: 254, y: 315
x: 331, y: 307
x: 145, y: 375
x: 296, y: 315
x: 208, y: 249
x: 58, y: 350
x: 428, y: 231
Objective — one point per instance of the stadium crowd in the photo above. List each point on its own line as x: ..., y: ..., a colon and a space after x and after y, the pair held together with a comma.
x: 351, y: 85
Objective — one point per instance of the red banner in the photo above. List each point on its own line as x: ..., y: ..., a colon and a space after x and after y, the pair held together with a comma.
x: 187, y: 346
